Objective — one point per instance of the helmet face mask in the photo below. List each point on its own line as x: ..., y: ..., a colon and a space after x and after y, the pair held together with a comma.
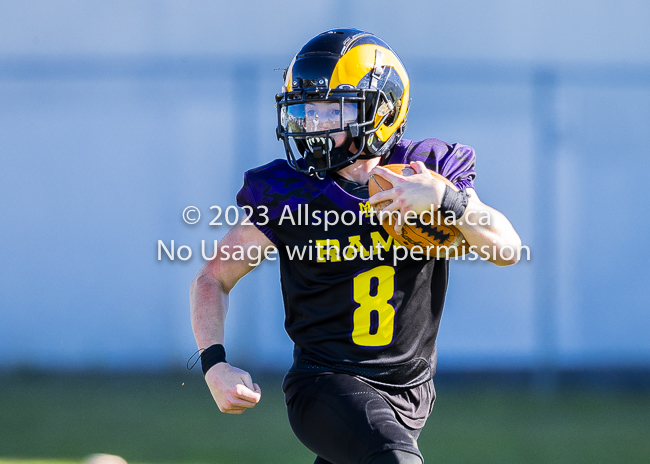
x: 345, y: 97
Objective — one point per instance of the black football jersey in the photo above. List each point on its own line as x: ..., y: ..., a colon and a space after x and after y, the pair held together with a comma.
x: 355, y: 301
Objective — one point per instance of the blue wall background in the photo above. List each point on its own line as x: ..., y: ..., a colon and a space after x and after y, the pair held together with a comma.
x: 116, y: 116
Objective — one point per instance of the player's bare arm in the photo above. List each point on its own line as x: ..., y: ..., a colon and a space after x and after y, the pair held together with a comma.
x: 232, y: 389
x: 418, y: 192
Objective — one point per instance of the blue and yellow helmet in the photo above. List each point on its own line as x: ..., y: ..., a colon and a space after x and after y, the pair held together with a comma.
x: 343, y: 82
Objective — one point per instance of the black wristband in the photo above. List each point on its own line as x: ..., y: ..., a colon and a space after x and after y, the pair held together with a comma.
x: 453, y: 203
x: 212, y: 355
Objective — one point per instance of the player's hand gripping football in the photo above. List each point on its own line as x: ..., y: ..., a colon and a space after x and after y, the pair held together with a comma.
x: 232, y: 389
x: 413, y: 193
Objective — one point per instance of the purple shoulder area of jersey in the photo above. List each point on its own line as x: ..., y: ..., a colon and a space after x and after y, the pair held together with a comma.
x: 272, y: 188
x: 456, y: 162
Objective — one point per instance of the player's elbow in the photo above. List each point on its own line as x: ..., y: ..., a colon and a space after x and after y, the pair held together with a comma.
x: 510, y: 252
x: 506, y: 262
x: 196, y: 284
x: 198, y: 281
x: 207, y: 281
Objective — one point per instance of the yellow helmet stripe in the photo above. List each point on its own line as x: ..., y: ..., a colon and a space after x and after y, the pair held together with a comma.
x: 358, y: 62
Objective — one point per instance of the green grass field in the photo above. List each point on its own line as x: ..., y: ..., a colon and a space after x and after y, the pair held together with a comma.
x: 172, y: 419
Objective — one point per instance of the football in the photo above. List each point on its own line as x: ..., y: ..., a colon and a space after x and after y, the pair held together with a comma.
x: 424, y: 231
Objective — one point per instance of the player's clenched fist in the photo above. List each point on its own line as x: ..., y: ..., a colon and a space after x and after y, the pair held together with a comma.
x: 232, y: 389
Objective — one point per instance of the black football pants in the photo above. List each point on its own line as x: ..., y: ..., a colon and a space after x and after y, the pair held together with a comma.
x: 345, y: 421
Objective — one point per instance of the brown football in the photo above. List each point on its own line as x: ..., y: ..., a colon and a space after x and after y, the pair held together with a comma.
x: 427, y: 234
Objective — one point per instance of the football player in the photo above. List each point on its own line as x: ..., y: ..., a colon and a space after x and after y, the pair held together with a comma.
x: 364, y: 324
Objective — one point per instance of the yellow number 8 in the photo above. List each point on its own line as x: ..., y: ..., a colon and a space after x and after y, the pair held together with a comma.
x: 362, y: 317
